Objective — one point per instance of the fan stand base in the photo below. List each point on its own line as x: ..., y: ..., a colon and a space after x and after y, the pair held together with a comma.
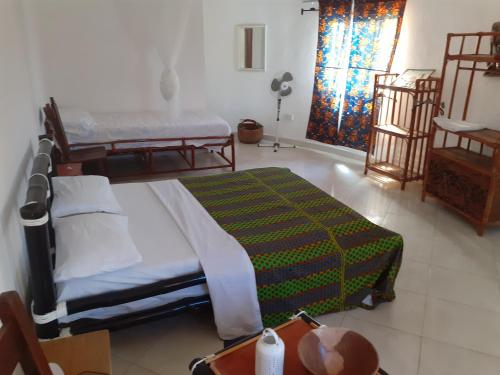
x: 277, y: 145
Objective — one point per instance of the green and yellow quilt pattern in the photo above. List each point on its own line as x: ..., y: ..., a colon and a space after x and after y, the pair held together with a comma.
x: 309, y: 251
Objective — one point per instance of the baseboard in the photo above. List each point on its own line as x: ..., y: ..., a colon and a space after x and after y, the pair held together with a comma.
x: 338, y: 151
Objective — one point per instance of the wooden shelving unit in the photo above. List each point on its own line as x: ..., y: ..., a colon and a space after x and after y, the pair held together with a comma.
x: 463, y: 168
x: 401, y: 123
x: 466, y: 177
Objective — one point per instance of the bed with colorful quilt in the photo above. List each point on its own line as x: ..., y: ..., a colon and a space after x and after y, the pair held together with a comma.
x: 308, y: 250
x: 257, y: 245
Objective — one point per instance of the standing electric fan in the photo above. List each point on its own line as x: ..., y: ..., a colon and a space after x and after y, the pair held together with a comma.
x: 281, y: 88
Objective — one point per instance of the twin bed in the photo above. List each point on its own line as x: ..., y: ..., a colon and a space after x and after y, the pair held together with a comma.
x: 256, y: 244
x: 148, y: 133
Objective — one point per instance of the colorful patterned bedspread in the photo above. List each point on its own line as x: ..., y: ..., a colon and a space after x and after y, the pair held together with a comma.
x: 309, y: 251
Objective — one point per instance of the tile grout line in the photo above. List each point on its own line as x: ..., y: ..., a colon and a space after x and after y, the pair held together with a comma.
x: 490, y: 276
x: 141, y: 367
x: 384, y: 326
x: 343, y: 318
x: 410, y: 291
x: 121, y: 358
x: 464, y: 304
x: 422, y: 336
x: 455, y: 344
x: 462, y: 347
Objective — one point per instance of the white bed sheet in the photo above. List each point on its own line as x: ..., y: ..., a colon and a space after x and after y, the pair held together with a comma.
x: 115, y: 126
x: 166, y: 254
x: 229, y: 271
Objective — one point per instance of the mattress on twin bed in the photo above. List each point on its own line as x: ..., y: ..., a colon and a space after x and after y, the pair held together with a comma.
x: 166, y: 254
x: 119, y: 126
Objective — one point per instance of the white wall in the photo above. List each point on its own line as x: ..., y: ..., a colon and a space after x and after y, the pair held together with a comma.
x: 423, y: 41
x: 292, y: 46
x: 90, y: 57
x: 18, y: 129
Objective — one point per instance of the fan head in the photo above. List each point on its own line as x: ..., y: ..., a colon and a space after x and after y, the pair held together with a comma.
x: 281, y: 86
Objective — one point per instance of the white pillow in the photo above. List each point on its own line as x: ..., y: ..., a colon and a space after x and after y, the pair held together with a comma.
x: 83, y: 195
x: 77, y: 121
x: 92, y: 244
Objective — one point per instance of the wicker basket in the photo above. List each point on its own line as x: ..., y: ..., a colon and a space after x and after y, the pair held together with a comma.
x: 250, y: 131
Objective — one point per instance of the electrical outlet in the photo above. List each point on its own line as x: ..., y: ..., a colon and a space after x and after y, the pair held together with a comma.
x: 289, y: 117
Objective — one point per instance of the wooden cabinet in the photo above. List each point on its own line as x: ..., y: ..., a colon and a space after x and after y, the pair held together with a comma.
x: 401, y: 124
x: 463, y: 168
x: 466, y: 178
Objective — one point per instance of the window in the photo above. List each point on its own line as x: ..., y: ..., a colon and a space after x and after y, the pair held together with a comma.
x: 357, y: 39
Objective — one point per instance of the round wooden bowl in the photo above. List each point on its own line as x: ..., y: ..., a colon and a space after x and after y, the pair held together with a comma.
x: 334, y: 351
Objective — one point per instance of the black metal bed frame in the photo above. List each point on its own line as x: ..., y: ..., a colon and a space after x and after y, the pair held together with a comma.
x: 35, y: 217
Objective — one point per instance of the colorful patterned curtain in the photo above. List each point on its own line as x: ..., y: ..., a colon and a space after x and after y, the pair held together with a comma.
x: 334, y: 27
x: 365, y: 46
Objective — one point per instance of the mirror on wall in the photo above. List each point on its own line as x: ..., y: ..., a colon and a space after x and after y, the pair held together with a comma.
x: 251, y: 40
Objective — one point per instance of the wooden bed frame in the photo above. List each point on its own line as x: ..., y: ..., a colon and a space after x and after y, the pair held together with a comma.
x: 35, y: 217
x: 186, y: 151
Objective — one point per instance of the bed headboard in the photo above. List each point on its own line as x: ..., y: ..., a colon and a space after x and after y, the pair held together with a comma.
x: 35, y: 217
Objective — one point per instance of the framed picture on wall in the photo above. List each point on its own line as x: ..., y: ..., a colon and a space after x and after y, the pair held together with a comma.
x: 409, y: 78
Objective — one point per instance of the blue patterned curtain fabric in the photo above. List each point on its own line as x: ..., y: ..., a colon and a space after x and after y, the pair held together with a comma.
x: 357, y: 40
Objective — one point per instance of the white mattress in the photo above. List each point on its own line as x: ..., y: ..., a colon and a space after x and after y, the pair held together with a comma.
x: 152, y: 125
x: 166, y: 254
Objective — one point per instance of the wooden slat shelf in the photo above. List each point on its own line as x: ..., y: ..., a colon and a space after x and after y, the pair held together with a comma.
x: 394, y: 171
x: 488, y: 137
x: 388, y: 169
x: 393, y: 130
x: 400, y: 127
x: 476, y: 58
x: 398, y: 131
x: 463, y: 168
x: 405, y: 89
x: 468, y: 159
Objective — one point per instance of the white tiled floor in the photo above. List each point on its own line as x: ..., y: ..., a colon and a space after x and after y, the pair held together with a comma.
x: 445, y: 319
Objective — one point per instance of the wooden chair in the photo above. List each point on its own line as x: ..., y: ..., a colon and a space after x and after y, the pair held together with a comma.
x: 18, y: 342
x: 55, y: 128
x: 77, y: 355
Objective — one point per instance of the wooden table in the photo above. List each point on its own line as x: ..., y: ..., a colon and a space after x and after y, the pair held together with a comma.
x: 240, y: 357
x: 82, y: 354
